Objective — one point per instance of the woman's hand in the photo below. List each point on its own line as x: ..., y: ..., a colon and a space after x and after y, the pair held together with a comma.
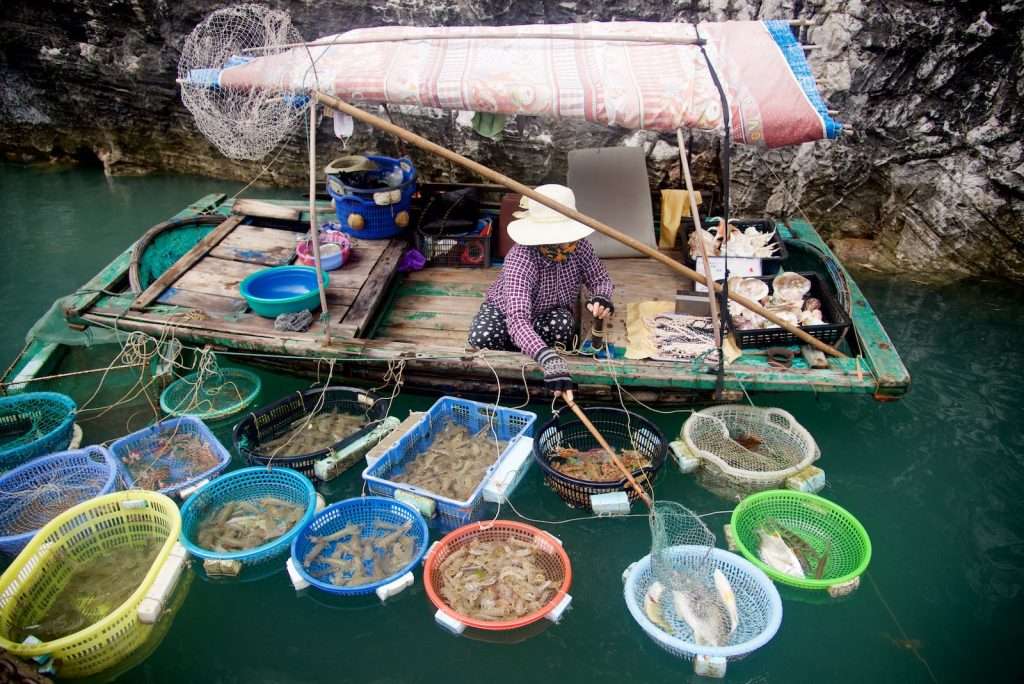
x: 556, y: 372
x: 600, y: 307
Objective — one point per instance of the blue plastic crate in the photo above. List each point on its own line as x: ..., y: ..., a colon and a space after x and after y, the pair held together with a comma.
x: 247, y: 484
x: 363, y: 511
x: 69, y: 477
x: 509, y: 424
x: 378, y: 220
x: 145, y: 441
x: 33, y: 424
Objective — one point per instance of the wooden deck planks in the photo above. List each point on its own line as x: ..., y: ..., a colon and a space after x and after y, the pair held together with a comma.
x: 258, y: 245
x: 373, y: 290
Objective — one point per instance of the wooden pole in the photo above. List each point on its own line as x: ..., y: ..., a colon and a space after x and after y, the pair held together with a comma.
x: 569, y: 212
x: 698, y: 233
x: 604, y: 445
x: 314, y: 225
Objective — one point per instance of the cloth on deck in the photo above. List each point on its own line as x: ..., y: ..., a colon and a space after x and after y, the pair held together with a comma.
x: 675, y: 206
x: 655, y: 86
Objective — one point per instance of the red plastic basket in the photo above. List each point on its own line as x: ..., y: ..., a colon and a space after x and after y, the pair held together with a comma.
x: 554, y: 562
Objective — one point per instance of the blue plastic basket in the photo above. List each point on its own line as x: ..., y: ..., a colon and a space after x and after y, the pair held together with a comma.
x: 378, y: 220
x: 33, y: 424
x: 247, y: 484
x: 362, y: 511
x: 509, y: 424
x: 146, y: 442
x: 76, y: 476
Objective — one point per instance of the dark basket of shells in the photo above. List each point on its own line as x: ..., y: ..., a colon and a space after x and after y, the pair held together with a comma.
x: 577, y: 468
x: 302, y: 428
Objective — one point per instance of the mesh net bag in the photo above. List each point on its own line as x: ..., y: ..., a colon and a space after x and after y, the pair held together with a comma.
x: 212, y: 395
x: 749, y: 447
x: 695, y: 600
x: 242, y: 124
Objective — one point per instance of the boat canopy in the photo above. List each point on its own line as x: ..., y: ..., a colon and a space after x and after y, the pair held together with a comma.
x: 635, y: 75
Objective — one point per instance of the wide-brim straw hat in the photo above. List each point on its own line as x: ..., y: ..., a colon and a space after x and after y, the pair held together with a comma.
x: 541, y: 225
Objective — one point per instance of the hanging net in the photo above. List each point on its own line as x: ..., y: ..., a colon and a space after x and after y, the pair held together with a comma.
x: 746, y: 447
x: 694, y: 599
x: 242, y: 123
x: 211, y: 394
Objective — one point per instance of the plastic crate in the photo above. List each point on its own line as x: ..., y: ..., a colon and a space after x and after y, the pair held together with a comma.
x: 363, y: 511
x: 472, y: 250
x: 81, y: 474
x: 179, y: 476
x: 99, y: 527
x: 273, y: 420
x: 830, y: 333
x: 509, y: 424
x: 33, y: 424
x: 247, y: 484
x: 379, y: 220
x: 614, y: 424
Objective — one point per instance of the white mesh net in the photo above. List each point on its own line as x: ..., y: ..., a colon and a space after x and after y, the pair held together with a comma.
x: 747, y: 446
x: 242, y: 123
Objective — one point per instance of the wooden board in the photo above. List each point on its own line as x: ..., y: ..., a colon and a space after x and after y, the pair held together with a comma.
x: 254, y: 244
x: 185, y: 262
x: 216, y: 276
x: 210, y: 303
x: 373, y: 291
x: 264, y: 209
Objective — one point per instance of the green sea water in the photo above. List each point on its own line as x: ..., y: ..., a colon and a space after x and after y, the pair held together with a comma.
x: 936, y: 479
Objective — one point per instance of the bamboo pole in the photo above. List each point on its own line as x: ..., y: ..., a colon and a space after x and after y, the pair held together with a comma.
x: 569, y: 212
x: 716, y: 324
x: 314, y: 225
x: 611, y: 452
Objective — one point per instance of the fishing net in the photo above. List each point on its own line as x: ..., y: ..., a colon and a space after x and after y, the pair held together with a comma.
x: 33, y: 494
x: 241, y: 123
x: 211, y: 395
x: 33, y: 424
x: 52, y: 328
x: 696, y: 600
x: 748, y: 447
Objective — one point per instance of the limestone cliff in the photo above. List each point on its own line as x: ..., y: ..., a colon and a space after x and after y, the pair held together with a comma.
x: 931, y: 181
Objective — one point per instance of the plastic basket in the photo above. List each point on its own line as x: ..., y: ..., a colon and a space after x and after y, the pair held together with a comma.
x: 33, y: 424
x: 554, y: 563
x: 362, y: 511
x: 99, y: 527
x: 831, y: 332
x: 758, y: 604
x: 273, y: 420
x: 147, y: 441
x: 509, y: 425
x: 821, y: 523
x: 614, y: 424
x: 219, y: 395
x: 378, y: 220
x: 80, y: 475
x: 247, y: 484
x: 472, y: 250
x: 762, y: 226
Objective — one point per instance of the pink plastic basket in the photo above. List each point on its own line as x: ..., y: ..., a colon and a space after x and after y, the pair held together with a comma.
x: 329, y: 262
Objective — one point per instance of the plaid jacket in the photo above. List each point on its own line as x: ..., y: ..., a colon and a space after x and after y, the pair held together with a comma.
x: 530, y: 284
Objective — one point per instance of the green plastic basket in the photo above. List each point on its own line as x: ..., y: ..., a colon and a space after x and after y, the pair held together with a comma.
x: 818, y: 521
x: 220, y: 394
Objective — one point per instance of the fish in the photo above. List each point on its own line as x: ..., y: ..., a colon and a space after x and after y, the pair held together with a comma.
x: 703, y: 612
x: 728, y: 597
x: 776, y: 554
x: 652, y: 606
x: 819, y: 571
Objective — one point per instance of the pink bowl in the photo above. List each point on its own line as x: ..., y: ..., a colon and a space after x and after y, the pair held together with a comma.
x: 329, y: 262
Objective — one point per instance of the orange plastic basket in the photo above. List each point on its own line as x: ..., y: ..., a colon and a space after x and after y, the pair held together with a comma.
x: 554, y: 562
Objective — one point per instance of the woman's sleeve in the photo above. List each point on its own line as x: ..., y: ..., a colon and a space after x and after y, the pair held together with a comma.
x: 595, y: 275
x: 520, y: 282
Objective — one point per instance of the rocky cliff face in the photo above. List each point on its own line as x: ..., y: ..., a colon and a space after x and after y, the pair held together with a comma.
x: 931, y: 180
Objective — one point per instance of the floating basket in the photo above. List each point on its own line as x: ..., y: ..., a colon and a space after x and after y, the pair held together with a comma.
x: 34, y: 424
x: 554, y: 562
x: 364, y: 511
x: 621, y: 429
x: 149, y: 446
x: 99, y: 527
x: 758, y: 605
x: 753, y: 448
x: 34, y: 493
x: 509, y: 425
x: 819, y: 522
x: 217, y: 395
x: 273, y: 420
x: 247, y: 484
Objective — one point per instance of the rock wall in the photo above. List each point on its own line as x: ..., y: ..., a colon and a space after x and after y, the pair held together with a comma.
x: 931, y: 180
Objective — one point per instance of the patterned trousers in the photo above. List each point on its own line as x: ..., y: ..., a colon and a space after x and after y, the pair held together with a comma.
x: 489, y: 330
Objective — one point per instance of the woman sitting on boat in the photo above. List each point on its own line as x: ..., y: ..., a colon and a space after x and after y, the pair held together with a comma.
x: 532, y: 306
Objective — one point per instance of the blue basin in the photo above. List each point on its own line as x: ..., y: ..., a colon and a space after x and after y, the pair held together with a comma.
x: 283, y: 289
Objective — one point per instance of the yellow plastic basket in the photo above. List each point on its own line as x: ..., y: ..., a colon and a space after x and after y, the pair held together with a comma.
x: 97, y: 527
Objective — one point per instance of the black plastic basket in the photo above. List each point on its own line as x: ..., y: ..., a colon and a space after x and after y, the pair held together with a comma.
x: 467, y: 250
x: 831, y: 332
x: 615, y: 426
x: 770, y: 264
x: 273, y: 420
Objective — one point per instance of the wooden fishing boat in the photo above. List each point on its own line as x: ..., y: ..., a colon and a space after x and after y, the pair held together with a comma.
x: 380, y: 318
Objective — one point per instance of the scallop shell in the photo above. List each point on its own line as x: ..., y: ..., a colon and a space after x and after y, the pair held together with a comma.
x: 751, y: 288
x: 790, y: 287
